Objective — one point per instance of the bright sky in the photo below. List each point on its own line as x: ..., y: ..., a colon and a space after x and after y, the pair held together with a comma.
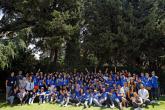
x: 1, y: 14
x: 36, y: 54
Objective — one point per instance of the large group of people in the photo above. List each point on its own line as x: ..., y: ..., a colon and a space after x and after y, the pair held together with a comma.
x: 103, y: 89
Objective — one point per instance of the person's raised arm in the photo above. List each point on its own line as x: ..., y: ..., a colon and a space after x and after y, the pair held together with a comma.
x: 86, y: 70
x: 6, y: 82
x: 106, y: 70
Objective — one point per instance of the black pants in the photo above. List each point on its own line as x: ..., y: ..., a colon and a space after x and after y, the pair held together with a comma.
x: 155, y: 93
x: 109, y: 101
x: 28, y: 96
x: 74, y: 101
x: 135, y: 105
x: 147, y: 102
x: 150, y: 94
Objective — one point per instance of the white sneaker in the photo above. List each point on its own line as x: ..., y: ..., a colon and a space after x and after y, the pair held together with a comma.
x: 112, y: 106
x: 138, y: 108
x: 65, y: 105
x: 43, y: 102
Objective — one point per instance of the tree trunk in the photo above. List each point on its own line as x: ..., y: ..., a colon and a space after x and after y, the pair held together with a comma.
x: 54, y: 55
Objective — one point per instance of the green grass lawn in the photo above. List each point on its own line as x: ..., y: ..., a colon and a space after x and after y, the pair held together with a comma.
x: 4, y: 106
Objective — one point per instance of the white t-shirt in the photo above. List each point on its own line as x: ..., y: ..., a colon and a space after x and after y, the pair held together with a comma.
x: 121, y: 91
x: 143, y: 93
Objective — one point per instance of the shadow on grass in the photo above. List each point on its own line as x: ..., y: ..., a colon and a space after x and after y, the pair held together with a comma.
x: 2, y: 104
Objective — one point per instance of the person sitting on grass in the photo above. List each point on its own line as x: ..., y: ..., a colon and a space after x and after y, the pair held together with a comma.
x: 117, y: 99
x: 136, y: 101
x: 53, y: 94
x: 95, y: 98
x: 29, y: 89
x: 103, y: 97
x: 73, y: 98
x: 21, y: 95
x: 143, y: 93
x: 109, y: 100
x: 86, y: 96
x: 12, y: 95
x: 65, y: 96
x: 48, y: 95
x: 41, y: 95
x: 122, y: 95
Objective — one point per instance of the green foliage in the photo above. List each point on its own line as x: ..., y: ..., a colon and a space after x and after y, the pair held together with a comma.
x: 80, y: 33
x: 9, y: 50
x: 121, y: 31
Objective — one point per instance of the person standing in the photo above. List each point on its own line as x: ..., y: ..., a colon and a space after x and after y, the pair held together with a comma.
x: 155, y: 86
x: 19, y: 78
x: 10, y: 83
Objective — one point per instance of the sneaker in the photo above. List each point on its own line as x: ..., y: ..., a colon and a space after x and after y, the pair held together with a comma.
x: 112, y: 106
x: 65, y: 105
x: 77, y: 104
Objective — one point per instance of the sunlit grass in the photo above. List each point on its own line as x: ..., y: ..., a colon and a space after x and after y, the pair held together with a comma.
x: 36, y: 106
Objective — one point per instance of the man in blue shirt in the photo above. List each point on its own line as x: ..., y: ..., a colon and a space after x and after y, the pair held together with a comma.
x: 123, y: 80
x: 142, y: 77
x: 148, y: 84
x: 53, y: 81
x: 86, y: 97
x: 116, y: 98
x: 155, y: 86
x: 109, y: 100
x: 48, y: 81
x: 10, y: 83
x: 103, y: 97
x: 95, y: 98
x: 110, y: 81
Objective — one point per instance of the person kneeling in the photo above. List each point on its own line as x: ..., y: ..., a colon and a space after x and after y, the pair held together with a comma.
x: 143, y: 93
x: 136, y: 101
x: 41, y: 95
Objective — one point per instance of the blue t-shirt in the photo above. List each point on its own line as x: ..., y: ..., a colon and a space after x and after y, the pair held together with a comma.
x: 123, y: 80
x: 118, y: 82
x: 86, y: 96
x: 11, y: 81
x: 104, y: 95
x: 59, y: 82
x: 41, y: 83
x: 53, y: 82
x: 65, y: 82
x: 143, y: 78
x: 110, y: 82
x: 114, y: 95
x: 47, y: 92
x: 113, y: 77
x: 108, y: 89
x: 96, y: 95
x: 148, y: 83
x: 154, y: 81
x: 35, y: 79
x: 48, y: 82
